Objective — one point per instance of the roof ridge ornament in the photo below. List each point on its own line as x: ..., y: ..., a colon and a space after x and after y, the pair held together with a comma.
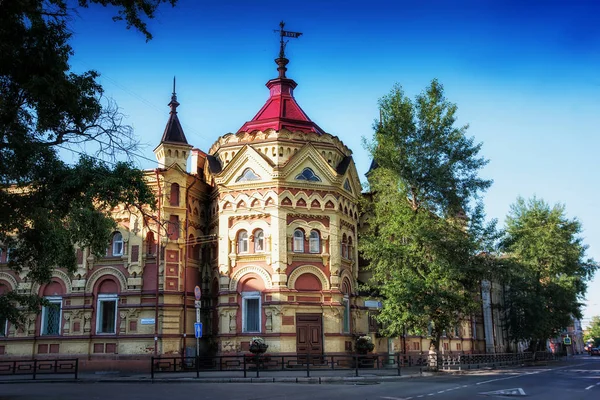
x: 282, y: 61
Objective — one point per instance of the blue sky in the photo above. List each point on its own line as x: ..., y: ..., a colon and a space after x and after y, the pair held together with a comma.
x: 526, y: 77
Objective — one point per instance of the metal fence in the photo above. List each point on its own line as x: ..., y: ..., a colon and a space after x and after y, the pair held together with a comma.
x: 302, y: 364
x: 43, y: 367
x: 316, y: 365
x: 475, y: 361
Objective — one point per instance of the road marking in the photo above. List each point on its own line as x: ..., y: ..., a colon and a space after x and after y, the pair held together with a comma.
x: 441, y: 391
x: 504, y: 379
x: 589, y: 387
x: 507, y: 392
x: 397, y: 398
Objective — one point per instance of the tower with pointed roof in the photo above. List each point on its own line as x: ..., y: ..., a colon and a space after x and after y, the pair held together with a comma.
x: 173, y: 148
x: 285, y: 214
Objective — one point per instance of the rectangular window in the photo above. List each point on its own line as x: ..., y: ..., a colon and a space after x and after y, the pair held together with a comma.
x: 106, y: 314
x: 51, y: 316
x: 251, y: 312
x: 445, y: 346
x: 458, y: 347
x: 298, y: 244
x: 314, y: 245
x: 416, y: 346
x: 346, y: 318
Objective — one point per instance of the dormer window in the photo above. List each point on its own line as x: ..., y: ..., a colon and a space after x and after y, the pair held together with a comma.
x: 248, y: 175
x: 309, y: 175
x: 347, y: 185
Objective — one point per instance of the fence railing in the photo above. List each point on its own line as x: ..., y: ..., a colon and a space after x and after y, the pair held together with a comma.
x: 312, y: 365
x: 302, y: 364
x: 474, y: 361
x: 43, y: 367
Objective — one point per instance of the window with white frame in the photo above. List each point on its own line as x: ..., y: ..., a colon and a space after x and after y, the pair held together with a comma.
x: 51, y: 316
x: 346, y: 316
x: 298, y: 241
x: 106, y: 313
x: 314, y: 242
x: 242, y: 242
x: 117, y: 245
x: 259, y: 241
x: 251, y: 315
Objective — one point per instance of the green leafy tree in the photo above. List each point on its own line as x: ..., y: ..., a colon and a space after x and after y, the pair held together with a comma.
x: 48, y: 206
x: 547, y: 271
x: 425, y: 225
x: 593, y: 332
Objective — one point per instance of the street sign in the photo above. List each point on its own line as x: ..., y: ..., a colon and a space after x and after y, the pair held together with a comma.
x: 198, y: 329
x: 567, y: 341
x: 197, y: 293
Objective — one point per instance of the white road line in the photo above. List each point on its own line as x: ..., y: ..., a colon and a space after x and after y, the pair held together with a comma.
x: 589, y: 387
x: 504, y: 379
x: 441, y: 391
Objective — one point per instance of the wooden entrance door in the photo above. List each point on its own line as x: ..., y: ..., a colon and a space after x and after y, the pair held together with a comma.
x: 309, y: 334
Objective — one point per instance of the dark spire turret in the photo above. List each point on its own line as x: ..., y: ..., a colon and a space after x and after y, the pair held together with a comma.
x: 173, y: 131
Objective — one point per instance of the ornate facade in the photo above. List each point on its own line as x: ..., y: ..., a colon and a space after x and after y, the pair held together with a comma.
x: 265, y: 223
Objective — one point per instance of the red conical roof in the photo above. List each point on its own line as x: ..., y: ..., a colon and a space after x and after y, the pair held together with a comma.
x: 281, y: 111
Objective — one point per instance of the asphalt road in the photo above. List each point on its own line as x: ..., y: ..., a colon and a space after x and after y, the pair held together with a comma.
x: 577, y: 379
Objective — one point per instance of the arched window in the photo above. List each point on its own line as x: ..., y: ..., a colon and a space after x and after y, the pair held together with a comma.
x: 117, y: 244
x: 298, y: 241
x: 174, y: 199
x: 308, y: 174
x: 344, y: 246
x: 314, y: 242
x: 242, y: 242
x: 259, y: 241
x: 248, y: 175
x: 346, y: 304
x: 350, y: 251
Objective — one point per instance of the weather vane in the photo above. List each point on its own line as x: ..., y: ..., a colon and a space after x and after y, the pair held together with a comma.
x: 283, y: 34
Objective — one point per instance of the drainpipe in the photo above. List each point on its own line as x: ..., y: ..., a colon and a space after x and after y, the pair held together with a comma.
x: 185, y: 264
x: 158, y: 251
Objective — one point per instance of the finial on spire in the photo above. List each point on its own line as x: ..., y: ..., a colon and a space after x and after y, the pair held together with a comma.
x: 282, y: 61
x: 174, y: 103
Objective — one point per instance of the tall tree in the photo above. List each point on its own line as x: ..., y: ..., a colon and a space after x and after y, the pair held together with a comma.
x: 49, y: 206
x: 593, y: 332
x: 425, y: 223
x: 549, y: 273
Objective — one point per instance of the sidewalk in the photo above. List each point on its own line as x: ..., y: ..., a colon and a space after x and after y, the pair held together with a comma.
x: 265, y: 376
x: 317, y: 376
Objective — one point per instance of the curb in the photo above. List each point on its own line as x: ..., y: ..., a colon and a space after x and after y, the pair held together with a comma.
x: 311, y: 380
